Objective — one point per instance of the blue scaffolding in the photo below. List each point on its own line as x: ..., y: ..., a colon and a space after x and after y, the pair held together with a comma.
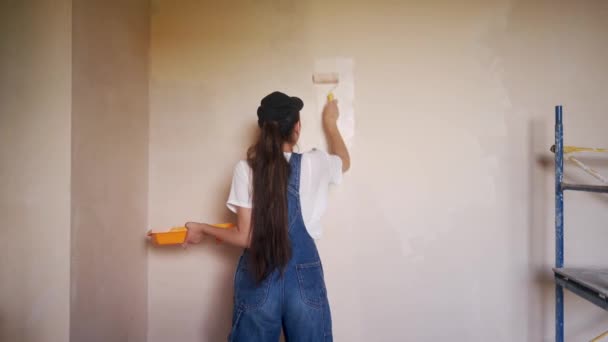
x: 588, y: 283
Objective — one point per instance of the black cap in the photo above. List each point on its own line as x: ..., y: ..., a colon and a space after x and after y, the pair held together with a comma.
x: 280, y: 108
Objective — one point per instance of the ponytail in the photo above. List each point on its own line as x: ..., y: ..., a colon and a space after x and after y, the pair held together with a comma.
x: 269, y: 248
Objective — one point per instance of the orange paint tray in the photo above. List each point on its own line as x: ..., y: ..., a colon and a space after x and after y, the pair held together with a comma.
x: 175, y: 236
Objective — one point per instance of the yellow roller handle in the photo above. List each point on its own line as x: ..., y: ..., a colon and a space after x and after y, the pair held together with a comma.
x: 330, y: 96
x: 216, y: 225
x: 223, y: 226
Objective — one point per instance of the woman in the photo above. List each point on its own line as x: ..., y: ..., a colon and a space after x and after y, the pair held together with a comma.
x: 279, y: 196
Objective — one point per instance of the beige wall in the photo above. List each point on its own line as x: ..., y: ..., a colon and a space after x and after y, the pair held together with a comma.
x: 109, y: 170
x: 84, y: 131
x: 35, y: 98
x: 443, y: 228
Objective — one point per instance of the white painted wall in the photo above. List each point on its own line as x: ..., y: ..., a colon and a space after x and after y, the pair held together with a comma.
x: 35, y: 99
x: 443, y: 228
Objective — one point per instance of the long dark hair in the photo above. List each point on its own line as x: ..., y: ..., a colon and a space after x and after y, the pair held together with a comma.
x: 269, y: 247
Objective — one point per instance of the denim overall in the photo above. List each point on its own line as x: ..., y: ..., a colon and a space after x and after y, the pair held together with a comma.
x: 297, y: 300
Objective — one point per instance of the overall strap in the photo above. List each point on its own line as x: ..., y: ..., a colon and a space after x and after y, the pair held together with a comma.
x: 295, y: 162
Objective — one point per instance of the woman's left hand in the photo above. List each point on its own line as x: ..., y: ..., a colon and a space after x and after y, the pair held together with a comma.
x: 195, y: 233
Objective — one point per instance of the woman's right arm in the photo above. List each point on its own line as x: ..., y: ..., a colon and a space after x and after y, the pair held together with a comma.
x: 238, y: 236
x: 335, y: 141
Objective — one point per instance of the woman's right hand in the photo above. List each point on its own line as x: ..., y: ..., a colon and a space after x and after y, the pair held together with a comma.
x: 335, y: 143
x: 331, y: 112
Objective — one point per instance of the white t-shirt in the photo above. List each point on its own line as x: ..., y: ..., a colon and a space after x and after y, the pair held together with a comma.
x: 319, y: 170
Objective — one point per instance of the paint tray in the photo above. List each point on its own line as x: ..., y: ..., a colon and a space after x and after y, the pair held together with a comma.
x: 175, y: 236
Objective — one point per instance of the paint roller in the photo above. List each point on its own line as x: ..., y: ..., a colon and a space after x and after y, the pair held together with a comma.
x: 329, y: 78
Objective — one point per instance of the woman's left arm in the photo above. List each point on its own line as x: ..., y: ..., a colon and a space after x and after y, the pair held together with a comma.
x: 237, y: 236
